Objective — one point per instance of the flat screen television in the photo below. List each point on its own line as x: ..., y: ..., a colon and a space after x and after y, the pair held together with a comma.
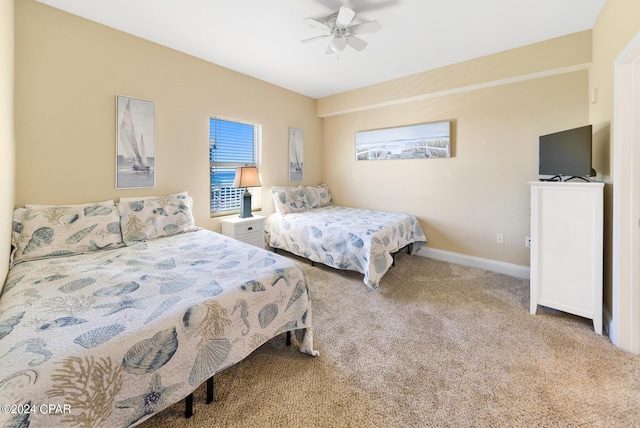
x: 566, y: 153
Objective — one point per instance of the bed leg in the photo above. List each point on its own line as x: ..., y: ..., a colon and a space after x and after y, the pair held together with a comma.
x: 312, y: 263
x: 210, y: 390
x: 188, y: 406
x: 275, y: 250
x: 410, y: 248
x: 393, y: 259
x: 288, y: 340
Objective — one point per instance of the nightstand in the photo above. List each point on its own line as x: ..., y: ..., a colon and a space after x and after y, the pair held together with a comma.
x: 249, y: 230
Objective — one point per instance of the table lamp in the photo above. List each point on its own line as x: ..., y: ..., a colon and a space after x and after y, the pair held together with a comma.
x: 246, y: 176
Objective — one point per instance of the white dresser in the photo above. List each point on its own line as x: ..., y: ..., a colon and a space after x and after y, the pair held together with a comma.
x: 566, y: 248
x: 249, y: 230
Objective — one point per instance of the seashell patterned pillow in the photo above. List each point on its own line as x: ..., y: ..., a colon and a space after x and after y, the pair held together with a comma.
x: 142, y: 219
x: 318, y: 196
x: 289, y: 199
x: 42, y: 231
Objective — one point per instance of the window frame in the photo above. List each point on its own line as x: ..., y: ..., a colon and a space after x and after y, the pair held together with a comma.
x: 231, y: 192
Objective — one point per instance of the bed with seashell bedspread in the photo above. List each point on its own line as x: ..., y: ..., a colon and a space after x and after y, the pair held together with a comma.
x: 308, y: 224
x: 113, y: 336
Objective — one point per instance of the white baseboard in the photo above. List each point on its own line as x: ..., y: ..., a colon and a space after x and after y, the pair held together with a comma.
x: 477, y: 262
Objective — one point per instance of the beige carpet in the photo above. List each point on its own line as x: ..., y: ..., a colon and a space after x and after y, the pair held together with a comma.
x: 437, y: 345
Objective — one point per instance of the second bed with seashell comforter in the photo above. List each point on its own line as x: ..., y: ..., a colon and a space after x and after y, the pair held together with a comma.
x: 118, y: 335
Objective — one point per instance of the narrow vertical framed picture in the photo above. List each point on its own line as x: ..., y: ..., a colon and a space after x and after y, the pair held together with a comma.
x: 296, y: 154
x: 135, y: 143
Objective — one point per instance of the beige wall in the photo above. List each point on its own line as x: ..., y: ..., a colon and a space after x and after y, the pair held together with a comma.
x: 68, y: 72
x: 566, y: 52
x: 616, y: 26
x: 7, y: 145
x: 462, y: 202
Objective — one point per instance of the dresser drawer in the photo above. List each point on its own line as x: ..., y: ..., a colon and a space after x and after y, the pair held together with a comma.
x: 245, y: 227
x: 249, y: 230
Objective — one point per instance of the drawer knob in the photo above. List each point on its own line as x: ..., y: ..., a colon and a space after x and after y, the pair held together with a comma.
x: 250, y: 228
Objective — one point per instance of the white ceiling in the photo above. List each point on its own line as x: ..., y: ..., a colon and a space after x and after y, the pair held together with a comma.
x: 261, y: 38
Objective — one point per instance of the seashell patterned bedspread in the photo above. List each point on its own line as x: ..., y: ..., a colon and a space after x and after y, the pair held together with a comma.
x: 113, y: 337
x: 355, y: 239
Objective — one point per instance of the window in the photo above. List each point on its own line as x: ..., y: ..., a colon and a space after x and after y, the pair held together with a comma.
x: 232, y: 143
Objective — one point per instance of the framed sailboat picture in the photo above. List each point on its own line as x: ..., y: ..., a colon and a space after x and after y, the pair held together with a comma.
x: 296, y: 154
x: 135, y: 142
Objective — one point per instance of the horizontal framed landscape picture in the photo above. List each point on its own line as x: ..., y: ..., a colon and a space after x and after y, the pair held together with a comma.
x: 135, y: 142
x: 425, y: 140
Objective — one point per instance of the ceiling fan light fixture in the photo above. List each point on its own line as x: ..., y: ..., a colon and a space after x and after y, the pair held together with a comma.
x: 338, y: 44
x: 342, y: 31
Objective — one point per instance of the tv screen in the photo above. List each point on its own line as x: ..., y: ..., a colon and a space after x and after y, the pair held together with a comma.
x: 566, y: 153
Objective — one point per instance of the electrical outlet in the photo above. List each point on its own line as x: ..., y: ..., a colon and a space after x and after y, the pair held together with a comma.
x: 527, y: 241
x: 499, y: 238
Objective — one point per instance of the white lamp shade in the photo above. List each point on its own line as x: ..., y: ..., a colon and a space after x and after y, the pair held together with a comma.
x: 246, y: 176
x: 338, y: 44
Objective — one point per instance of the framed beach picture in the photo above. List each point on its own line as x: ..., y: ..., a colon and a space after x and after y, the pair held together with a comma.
x: 135, y: 142
x: 425, y: 140
x: 296, y: 154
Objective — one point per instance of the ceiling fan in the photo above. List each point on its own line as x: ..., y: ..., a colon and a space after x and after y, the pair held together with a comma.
x: 341, y: 31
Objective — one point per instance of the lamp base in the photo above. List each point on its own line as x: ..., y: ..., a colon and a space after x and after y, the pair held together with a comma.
x: 245, y: 208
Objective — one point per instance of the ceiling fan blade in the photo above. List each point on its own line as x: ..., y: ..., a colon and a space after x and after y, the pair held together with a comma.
x: 345, y: 16
x: 313, y: 39
x: 365, y: 27
x: 357, y: 43
x: 316, y: 24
